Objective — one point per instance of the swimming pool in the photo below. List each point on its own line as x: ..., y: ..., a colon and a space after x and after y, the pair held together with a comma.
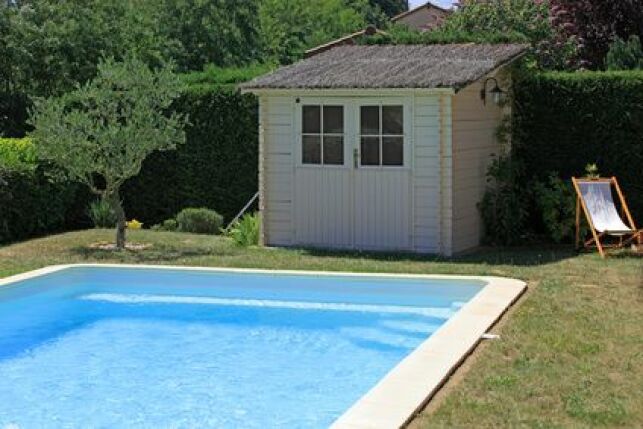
x: 108, y: 346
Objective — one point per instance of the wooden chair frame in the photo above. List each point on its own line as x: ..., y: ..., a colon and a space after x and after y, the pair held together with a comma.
x: 636, y: 234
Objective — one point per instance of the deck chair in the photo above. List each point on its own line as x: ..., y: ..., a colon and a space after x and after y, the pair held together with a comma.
x: 594, y: 198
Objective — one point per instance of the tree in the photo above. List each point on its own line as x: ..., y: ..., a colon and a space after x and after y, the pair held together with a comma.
x: 48, y: 46
x: 57, y: 44
x: 594, y: 25
x: 497, y: 21
x: 101, y: 132
x: 391, y: 7
x: 289, y: 28
x: 220, y: 32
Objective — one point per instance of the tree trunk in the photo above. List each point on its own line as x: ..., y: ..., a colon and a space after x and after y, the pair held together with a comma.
x: 117, y: 206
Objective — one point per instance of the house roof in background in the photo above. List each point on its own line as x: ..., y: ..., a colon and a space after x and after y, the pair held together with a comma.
x: 391, y: 66
x: 349, y: 39
x: 422, y: 6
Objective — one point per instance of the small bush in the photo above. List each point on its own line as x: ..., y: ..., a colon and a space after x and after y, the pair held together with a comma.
x: 199, y: 221
x: 625, y: 55
x: 245, y: 232
x: 101, y: 214
x: 556, y: 202
x: 166, y: 225
x: 503, y: 206
x: 18, y: 155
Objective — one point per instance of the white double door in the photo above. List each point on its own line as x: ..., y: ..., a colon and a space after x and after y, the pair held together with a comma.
x: 362, y: 201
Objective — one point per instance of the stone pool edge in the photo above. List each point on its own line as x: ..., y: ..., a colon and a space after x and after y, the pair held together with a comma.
x: 399, y: 395
x: 406, y: 389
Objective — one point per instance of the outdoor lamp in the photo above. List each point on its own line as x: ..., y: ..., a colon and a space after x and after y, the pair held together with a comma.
x: 497, y: 93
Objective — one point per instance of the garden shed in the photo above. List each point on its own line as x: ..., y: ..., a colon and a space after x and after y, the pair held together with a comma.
x: 380, y: 147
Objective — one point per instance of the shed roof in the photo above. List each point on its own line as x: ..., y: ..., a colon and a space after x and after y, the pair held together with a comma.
x: 391, y: 66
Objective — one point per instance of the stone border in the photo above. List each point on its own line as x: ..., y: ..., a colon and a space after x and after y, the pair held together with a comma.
x: 404, y: 391
x: 397, y: 397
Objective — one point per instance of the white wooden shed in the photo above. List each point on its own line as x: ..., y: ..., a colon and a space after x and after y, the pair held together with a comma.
x: 379, y: 147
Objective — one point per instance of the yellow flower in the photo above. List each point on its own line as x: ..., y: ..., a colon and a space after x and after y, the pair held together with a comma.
x: 134, y: 224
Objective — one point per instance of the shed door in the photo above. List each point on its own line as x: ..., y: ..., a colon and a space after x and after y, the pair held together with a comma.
x: 323, y: 175
x: 352, y: 178
x: 382, y: 177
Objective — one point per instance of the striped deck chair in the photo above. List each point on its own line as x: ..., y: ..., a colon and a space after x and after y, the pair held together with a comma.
x: 594, y: 198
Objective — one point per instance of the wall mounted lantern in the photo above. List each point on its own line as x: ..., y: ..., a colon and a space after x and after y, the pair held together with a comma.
x: 497, y: 93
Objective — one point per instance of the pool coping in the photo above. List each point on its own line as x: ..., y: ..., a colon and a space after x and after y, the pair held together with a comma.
x: 406, y: 388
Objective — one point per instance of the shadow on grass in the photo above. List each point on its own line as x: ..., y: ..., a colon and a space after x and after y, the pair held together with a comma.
x: 520, y: 256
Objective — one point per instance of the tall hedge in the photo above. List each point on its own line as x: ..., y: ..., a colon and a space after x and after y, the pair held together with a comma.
x: 215, y: 168
x: 30, y: 202
x: 563, y: 121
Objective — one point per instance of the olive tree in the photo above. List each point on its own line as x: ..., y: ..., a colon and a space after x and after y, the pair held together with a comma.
x: 101, y: 132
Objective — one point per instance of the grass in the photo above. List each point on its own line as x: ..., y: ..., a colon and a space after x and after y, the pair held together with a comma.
x: 570, y: 353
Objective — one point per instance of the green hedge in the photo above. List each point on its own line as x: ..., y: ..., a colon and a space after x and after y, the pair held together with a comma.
x: 563, y: 121
x: 217, y: 166
x: 30, y: 203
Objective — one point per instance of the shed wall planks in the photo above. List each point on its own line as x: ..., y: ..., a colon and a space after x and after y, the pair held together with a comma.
x: 276, y: 170
x: 426, y: 173
x: 474, y: 144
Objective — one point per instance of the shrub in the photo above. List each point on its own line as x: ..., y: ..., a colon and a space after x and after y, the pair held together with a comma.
x: 245, y: 231
x: 166, y: 225
x: 101, y: 214
x: 556, y: 201
x: 503, y: 206
x: 17, y: 155
x: 625, y: 55
x: 199, y: 221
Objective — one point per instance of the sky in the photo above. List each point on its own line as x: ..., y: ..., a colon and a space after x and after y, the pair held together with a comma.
x: 443, y: 3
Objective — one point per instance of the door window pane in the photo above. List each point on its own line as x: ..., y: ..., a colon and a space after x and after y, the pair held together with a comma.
x: 311, y: 149
x: 370, y: 120
x: 333, y: 120
x: 392, y: 120
x: 333, y: 150
x: 370, y: 150
x: 392, y: 151
x: 311, y: 118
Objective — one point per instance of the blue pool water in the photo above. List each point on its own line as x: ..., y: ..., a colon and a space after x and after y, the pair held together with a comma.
x: 121, y: 347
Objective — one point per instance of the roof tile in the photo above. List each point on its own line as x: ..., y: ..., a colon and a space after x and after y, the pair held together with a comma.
x: 391, y: 66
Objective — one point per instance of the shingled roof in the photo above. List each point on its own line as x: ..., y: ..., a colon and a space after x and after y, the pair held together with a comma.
x: 391, y: 66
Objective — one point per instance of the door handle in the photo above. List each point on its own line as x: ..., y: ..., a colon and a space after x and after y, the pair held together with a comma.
x: 355, y: 158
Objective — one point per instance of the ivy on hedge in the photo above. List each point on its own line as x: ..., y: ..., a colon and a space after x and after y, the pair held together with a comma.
x: 563, y: 121
x: 217, y: 166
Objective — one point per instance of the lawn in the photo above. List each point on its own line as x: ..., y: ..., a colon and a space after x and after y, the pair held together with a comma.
x: 570, y: 353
